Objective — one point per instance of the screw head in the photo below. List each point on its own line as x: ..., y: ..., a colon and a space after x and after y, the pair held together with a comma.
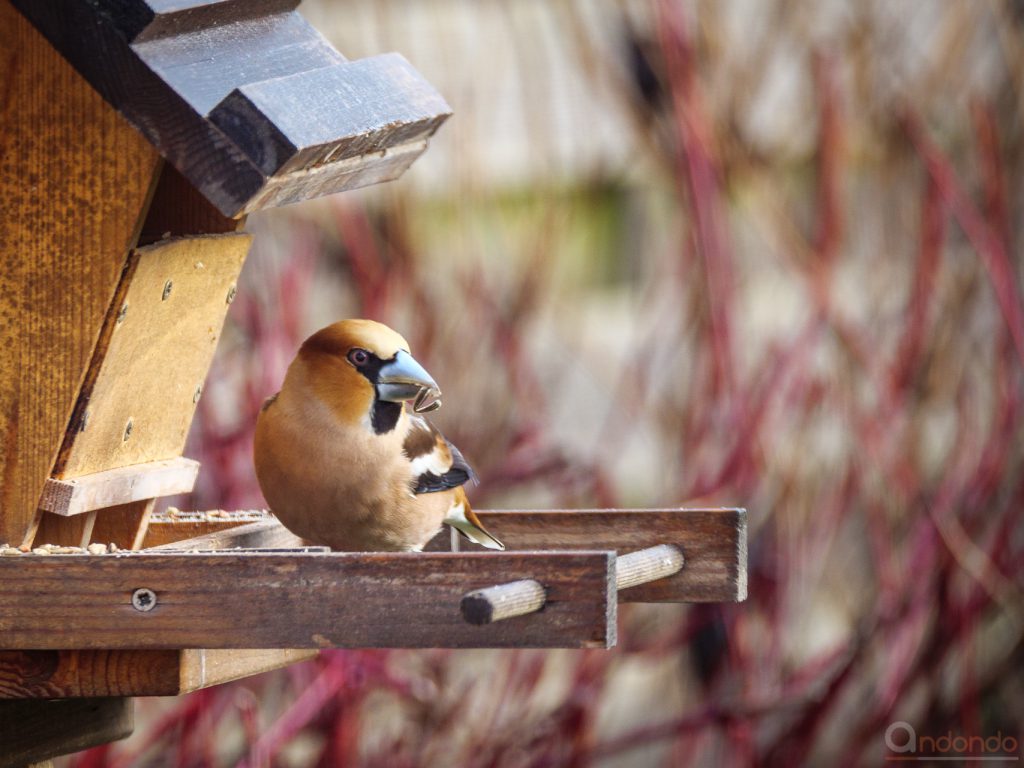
x: 122, y: 313
x: 128, y: 430
x: 84, y: 422
x: 197, y: 394
x: 167, y: 290
x: 232, y: 292
x: 143, y: 599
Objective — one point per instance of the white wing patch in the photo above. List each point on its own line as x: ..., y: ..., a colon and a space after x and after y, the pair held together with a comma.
x: 430, y: 462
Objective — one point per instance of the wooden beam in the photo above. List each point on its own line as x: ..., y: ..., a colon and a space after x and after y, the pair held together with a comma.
x: 174, y: 526
x: 343, y: 600
x: 32, y: 730
x: 122, y: 485
x: 75, y: 186
x: 262, y: 534
x: 713, y: 543
x: 245, y: 99
x: 68, y: 674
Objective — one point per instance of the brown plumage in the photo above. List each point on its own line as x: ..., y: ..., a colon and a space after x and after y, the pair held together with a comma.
x: 340, y: 460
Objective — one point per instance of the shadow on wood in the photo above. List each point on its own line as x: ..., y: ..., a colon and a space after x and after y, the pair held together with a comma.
x: 33, y: 730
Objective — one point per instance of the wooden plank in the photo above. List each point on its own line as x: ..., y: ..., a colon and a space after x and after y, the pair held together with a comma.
x: 119, y: 486
x: 214, y: 666
x: 344, y: 600
x: 713, y: 542
x: 124, y: 525
x: 216, y: 85
x: 89, y: 673
x: 174, y: 526
x: 263, y: 534
x: 33, y: 730
x: 75, y: 185
x: 272, y: 122
x: 154, y: 355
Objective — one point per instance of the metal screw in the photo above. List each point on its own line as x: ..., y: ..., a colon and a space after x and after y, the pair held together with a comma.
x: 84, y: 422
x: 128, y: 430
x: 198, y: 393
x: 232, y: 291
x: 167, y: 290
x: 122, y: 313
x: 143, y: 599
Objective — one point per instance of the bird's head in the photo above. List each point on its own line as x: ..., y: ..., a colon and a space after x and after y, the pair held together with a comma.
x: 363, y: 369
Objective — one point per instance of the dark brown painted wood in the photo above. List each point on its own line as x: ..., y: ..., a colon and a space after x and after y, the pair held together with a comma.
x: 33, y: 730
x: 228, y: 600
x: 245, y: 99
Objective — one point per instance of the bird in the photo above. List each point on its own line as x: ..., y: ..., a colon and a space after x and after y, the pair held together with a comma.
x: 342, y: 461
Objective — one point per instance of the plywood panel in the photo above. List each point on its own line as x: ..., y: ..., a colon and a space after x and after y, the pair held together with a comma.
x: 154, y: 355
x: 74, y: 185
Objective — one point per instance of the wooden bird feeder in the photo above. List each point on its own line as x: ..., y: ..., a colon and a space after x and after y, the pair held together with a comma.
x: 138, y: 134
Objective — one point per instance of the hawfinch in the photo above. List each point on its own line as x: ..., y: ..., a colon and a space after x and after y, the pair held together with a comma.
x: 343, y: 463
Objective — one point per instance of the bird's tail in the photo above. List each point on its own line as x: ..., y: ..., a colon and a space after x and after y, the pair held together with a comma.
x: 462, y: 518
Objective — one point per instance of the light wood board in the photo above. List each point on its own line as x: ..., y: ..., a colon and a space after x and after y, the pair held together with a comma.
x: 75, y: 183
x: 153, y: 360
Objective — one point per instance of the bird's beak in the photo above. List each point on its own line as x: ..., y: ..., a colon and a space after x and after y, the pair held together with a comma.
x: 403, y: 379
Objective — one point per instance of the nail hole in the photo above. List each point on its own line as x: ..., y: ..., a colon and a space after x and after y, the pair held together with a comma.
x: 128, y: 429
x: 167, y: 290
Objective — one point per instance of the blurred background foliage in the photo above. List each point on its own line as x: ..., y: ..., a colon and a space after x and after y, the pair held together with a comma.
x: 760, y: 253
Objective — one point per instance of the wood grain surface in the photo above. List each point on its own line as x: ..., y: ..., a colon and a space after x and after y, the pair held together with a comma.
x: 119, y: 486
x: 228, y: 600
x: 152, y: 359
x: 713, y: 542
x: 68, y: 674
x: 75, y: 182
x: 171, y: 527
x: 267, y: 533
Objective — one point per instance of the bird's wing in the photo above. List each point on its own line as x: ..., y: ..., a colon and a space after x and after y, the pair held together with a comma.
x: 437, y: 465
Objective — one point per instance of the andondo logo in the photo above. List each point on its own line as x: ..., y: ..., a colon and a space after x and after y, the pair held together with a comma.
x: 906, y: 744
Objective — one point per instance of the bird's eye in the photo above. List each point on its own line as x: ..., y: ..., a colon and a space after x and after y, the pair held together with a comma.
x: 358, y: 356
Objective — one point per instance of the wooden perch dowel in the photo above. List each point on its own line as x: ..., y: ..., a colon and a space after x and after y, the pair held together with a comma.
x: 503, y: 601
x: 646, y: 565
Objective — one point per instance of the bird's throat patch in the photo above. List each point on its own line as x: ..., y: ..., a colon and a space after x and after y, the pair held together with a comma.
x: 384, y: 415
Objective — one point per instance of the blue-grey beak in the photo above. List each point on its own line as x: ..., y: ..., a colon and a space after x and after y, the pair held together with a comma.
x: 403, y: 379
